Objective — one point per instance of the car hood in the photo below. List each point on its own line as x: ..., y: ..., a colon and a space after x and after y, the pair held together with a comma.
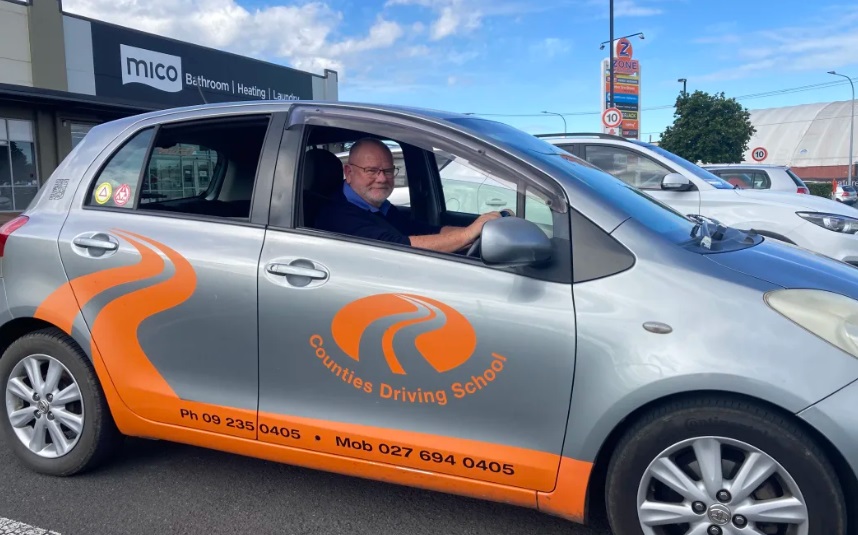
x: 792, y: 267
x: 799, y: 201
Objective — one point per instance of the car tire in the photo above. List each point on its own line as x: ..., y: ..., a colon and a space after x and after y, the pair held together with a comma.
x: 85, y: 432
x: 781, y: 460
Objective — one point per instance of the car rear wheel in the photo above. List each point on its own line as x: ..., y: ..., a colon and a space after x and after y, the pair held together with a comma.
x: 56, y: 420
x: 716, y: 467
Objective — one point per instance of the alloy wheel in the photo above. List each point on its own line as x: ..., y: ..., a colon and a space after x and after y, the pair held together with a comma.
x: 44, y: 406
x: 719, y: 486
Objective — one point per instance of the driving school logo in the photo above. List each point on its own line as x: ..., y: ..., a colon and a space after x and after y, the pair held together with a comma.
x: 446, y: 343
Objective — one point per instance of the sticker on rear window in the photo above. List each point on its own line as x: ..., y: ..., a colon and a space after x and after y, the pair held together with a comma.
x: 103, y: 192
x: 122, y: 195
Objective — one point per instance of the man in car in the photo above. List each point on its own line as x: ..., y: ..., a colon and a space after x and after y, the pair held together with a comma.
x: 363, y: 209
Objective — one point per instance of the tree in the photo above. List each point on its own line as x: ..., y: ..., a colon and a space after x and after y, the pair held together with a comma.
x: 708, y: 129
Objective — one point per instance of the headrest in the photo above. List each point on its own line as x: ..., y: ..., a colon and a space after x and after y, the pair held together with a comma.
x: 323, y: 171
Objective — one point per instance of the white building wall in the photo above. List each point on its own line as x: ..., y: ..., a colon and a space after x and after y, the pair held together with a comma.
x: 15, y: 64
x: 807, y: 135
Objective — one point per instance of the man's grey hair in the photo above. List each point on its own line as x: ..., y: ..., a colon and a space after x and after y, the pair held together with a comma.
x: 365, y: 141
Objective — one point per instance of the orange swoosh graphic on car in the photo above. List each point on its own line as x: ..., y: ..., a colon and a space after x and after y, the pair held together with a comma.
x: 65, y: 303
x: 114, y: 331
x: 450, y: 345
x: 353, y: 319
x: 444, y: 348
x: 387, y: 339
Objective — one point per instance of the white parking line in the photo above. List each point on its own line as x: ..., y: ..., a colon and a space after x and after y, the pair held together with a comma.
x: 13, y: 527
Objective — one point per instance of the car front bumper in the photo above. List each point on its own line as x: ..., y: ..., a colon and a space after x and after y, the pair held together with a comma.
x: 836, y: 418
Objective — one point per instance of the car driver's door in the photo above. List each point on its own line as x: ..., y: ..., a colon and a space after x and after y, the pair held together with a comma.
x: 411, y: 358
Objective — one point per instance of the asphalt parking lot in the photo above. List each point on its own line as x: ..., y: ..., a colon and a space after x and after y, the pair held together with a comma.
x: 158, y: 487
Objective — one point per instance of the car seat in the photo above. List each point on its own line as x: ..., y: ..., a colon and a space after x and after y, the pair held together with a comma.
x: 322, y: 177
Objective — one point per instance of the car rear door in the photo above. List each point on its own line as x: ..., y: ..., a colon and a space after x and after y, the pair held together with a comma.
x: 410, y: 358
x: 161, y: 250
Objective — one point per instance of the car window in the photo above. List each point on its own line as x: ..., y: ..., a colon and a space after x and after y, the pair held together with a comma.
x: 116, y: 184
x: 746, y: 178
x: 710, y: 178
x: 631, y: 167
x: 795, y: 178
x: 470, y: 190
x: 178, y: 172
x: 202, y: 168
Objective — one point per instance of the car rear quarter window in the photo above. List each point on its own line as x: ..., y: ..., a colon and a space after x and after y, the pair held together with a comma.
x: 116, y: 185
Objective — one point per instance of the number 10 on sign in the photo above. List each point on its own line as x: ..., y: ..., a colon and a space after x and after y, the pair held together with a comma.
x: 612, y: 117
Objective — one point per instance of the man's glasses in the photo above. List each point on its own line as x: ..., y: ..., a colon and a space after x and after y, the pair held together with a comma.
x: 373, y: 171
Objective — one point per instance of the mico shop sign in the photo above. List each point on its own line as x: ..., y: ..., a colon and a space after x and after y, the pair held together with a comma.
x: 161, y: 71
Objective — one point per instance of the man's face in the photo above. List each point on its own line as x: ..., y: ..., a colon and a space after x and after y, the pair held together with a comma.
x: 364, y: 177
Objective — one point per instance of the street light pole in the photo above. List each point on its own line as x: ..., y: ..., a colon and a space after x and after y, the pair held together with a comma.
x: 683, y: 80
x: 851, y: 121
x: 561, y: 116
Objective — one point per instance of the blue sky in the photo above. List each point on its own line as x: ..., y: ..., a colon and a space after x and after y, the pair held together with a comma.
x: 512, y: 59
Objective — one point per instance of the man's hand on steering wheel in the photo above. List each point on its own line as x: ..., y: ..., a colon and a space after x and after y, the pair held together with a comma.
x: 477, y: 227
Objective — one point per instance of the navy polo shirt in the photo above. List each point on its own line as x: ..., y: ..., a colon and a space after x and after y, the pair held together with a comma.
x: 349, y: 214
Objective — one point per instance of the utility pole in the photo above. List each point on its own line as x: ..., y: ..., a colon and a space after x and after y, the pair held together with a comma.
x: 611, y: 56
x: 851, y: 122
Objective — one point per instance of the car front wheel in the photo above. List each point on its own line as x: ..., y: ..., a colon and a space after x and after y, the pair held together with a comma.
x: 56, y: 420
x: 716, y: 467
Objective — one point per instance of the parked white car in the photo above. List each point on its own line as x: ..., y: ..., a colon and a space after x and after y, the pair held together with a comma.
x: 768, y: 177
x: 814, y: 223
x: 846, y: 194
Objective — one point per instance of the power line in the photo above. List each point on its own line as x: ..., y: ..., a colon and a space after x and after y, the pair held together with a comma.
x: 668, y: 106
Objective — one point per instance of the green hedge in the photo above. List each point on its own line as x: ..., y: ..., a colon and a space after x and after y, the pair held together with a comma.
x: 823, y: 189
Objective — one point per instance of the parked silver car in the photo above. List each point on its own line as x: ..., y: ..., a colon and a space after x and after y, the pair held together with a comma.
x: 683, y: 377
x: 759, y: 176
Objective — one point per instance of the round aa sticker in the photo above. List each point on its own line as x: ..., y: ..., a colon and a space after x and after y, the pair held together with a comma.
x: 103, y: 192
x: 123, y: 193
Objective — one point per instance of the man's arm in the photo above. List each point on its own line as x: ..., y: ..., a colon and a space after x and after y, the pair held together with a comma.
x: 452, y: 239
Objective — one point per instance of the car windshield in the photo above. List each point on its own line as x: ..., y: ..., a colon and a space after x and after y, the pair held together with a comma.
x: 850, y: 189
x: 651, y: 213
x: 696, y: 170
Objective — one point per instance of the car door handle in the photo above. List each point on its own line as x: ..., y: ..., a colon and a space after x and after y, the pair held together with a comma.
x: 300, y: 271
x: 495, y: 202
x: 91, y: 243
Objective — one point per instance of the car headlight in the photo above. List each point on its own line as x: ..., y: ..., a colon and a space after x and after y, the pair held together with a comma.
x: 835, y: 222
x: 830, y: 316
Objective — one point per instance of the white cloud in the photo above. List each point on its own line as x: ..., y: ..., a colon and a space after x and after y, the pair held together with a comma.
x: 552, y: 47
x: 460, y: 17
x: 632, y: 8
x: 298, y: 34
x: 824, y: 43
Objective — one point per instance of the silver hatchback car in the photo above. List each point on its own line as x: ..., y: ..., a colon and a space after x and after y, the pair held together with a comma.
x: 759, y: 176
x: 617, y: 359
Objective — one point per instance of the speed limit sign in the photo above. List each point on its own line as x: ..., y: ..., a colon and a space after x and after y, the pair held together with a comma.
x: 759, y: 154
x: 612, y: 117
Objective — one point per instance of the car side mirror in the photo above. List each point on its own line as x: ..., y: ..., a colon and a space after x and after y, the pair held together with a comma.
x: 513, y: 241
x: 675, y: 182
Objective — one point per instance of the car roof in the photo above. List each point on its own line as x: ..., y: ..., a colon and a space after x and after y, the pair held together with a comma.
x: 744, y: 166
x: 271, y: 106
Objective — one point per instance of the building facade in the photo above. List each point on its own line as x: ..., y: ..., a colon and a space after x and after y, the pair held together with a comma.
x: 813, y: 139
x: 61, y: 74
